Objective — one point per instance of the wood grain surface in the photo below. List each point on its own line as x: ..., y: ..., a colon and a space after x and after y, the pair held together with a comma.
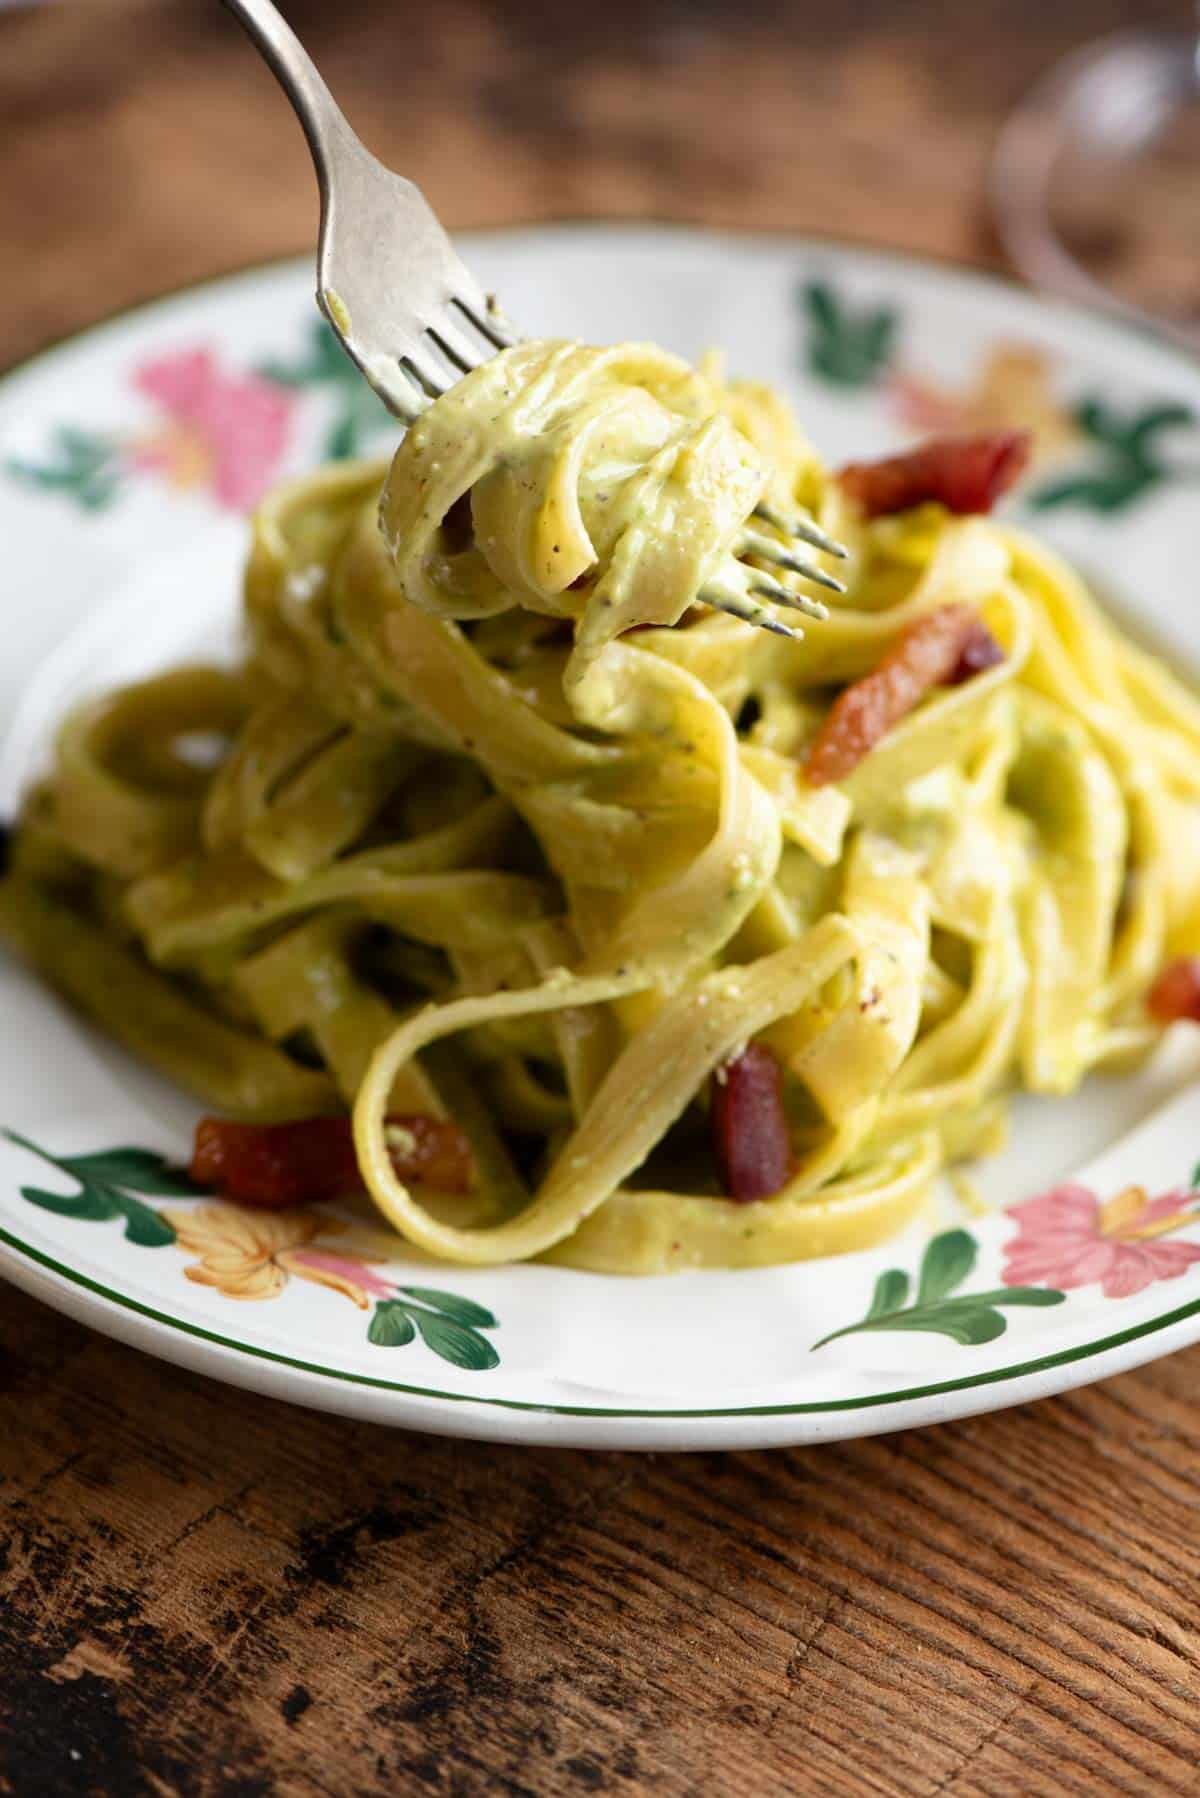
x: 203, y: 1593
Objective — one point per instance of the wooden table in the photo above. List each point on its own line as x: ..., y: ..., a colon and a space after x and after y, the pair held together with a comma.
x: 205, y: 1593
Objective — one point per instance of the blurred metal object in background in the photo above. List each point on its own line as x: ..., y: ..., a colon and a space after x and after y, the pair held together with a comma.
x: 1095, y: 181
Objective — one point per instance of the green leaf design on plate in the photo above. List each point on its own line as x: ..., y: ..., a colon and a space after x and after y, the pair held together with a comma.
x: 448, y: 1324
x: 455, y: 1343
x: 82, y: 465
x: 947, y: 1262
x: 463, y: 1311
x: 1015, y: 1295
x: 966, y: 1325
x: 145, y: 1227
x: 324, y: 361
x: 391, y: 1326
x: 891, y: 1290
x: 969, y: 1318
x: 107, y: 1181
x: 91, y: 1205
x: 847, y: 346
x: 1128, y: 458
x: 360, y: 414
x: 139, y: 1169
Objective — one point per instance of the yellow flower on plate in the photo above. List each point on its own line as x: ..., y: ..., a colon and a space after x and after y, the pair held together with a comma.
x: 252, y: 1254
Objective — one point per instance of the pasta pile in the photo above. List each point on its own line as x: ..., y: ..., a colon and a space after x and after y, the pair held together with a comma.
x: 499, y: 822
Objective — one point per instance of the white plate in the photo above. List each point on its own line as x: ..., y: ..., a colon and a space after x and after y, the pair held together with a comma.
x: 127, y: 460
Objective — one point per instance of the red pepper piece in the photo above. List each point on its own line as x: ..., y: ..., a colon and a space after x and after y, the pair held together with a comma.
x: 1176, y: 992
x: 929, y: 653
x: 964, y: 474
x: 749, y: 1125
x: 271, y: 1166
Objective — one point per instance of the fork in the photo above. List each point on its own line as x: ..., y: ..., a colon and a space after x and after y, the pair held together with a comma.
x: 414, y: 319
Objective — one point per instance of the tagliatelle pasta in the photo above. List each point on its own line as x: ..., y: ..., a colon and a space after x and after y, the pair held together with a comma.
x: 500, y: 823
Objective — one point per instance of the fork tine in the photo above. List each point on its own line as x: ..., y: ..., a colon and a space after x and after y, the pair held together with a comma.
x: 798, y: 602
x: 398, y: 388
x: 423, y: 371
x: 803, y: 529
x: 488, y: 320
x: 455, y: 346
x: 742, y: 606
x: 768, y: 551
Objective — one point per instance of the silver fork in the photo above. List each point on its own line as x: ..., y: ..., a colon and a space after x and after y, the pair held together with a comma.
x: 414, y: 319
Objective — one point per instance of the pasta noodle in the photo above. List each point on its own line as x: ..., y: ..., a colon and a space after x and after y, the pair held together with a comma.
x: 499, y: 822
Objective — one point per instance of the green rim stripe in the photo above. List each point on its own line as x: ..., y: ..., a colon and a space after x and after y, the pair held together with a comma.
x: 1063, y: 1359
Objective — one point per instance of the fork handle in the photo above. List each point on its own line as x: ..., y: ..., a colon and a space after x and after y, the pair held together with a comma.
x: 299, y: 78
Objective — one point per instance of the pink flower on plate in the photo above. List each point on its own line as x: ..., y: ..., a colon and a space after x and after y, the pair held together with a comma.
x: 1066, y: 1238
x: 227, y: 432
x: 344, y: 1274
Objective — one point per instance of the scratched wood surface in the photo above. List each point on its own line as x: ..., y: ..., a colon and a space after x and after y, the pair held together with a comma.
x: 204, y: 1593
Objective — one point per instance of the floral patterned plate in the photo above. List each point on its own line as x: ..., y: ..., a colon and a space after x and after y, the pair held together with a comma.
x: 128, y: 459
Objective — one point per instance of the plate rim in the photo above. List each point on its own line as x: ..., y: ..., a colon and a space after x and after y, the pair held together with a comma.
x: 1064, y: 1357
x: 345, y: 1390
x: 648, y: 226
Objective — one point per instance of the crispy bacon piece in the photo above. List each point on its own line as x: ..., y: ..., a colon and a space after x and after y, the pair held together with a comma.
x: 749, y: 1125
x: 964, y: 474
x: 930, y: 652
x: 979, y: 652
x: 430, y: 1151
x: 271, y: 1166
x: 1176, y: 992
